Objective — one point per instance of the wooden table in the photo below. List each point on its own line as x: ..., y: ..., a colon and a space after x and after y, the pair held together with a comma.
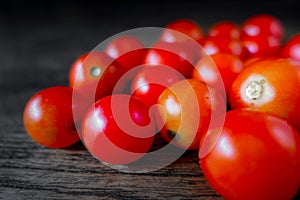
x: 38, y: 43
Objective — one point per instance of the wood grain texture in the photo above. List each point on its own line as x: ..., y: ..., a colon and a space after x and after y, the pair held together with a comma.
x: 30, y: 170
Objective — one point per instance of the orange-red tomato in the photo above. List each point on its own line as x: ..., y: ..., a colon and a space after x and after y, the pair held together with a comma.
x: 128, y: 51
x: 219, y: 69
x: 117, y: 129
x: 262, y: 24
x: 95, y: 75
x: 185, y: 26
x: 272, y: 86
x: 48, y: 117
x: 186, y: 109
x: 225, y: 29
x: 151, y: 81
x: 221, y: 44
x: 261, y: 46
x: 291, y: 49
x: 256, y: 156
x: 176, y: 55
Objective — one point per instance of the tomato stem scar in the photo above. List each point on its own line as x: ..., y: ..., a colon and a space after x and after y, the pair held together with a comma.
x: 95, y: 71
x: 254, y: 90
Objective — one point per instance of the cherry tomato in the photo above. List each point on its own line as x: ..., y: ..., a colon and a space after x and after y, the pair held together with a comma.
x: 220, y: 44
x: 117, y: 129
x: 220, y: 68
x: 262, y: 24
x: 128, y: 51
x: 151, y: 81
x: 271, y: 86
x: 186, y: 109
x: 48, y: 117
x: 95, y: 75
x: 291, y: 49
x: 175, y: 55
x: 225, y: 29
x: 256, y: 156
x: 261, y: 46
x: 185, y: 26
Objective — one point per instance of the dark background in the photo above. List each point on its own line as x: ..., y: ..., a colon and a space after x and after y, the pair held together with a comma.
x: 39, y: 40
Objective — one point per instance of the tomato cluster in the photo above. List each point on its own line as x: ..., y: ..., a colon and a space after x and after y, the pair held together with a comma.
x: 232, y: 94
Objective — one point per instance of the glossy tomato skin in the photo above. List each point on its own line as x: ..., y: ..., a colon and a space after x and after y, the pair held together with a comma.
x: 175, y: 55
x: 257, y: 156
x: 262, y: 24
x: 48, y: 117
x: 186, y: 109
x: 218, y: 69
x: 221, y: 44
x: 95, y: 75
x: 291, y: 49
x: 226, y: 29
x: 117, y: 129
x: 185, y: 26
x: 151, y: 81
x: 261, y: 46
x: 128, y: 50
x: 263, y: 86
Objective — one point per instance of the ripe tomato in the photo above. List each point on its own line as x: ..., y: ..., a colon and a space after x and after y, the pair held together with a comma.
x: 128, y: 51
x: 225, y: 29
x: 256, y: 156
x: 187, y: 108
x: 219, y: 69
x: 291, y: 49
x: 117, y: 129
x: 176, y: 55
x: 262, y: 24
x: 185, y: 26
x: 271, y: 86
x: 151, y: 81
x: 95, y: 75
x: 48, y: 117
x: 261, y: 46
x: 220, y: 44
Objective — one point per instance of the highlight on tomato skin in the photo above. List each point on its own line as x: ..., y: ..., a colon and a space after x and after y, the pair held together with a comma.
x: 291, y: 49
x: 256, y: 156
x: 48, y: 117
x: 186, y: 26
x: 118, y: 129
x: 127, y: 50
x: 187, y: 108
x: 271, y: 86
x: 262, y: 24
x: 217, y: 70
x: 225, y: 29
x: 95, y: 75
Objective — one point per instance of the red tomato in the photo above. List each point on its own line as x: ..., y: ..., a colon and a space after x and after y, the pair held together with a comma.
x: 256, y: 156
x: 175, y: 55
x: 262, y: 24
x: 261, y: 46
x: 128, y: 51
x: 220, y: 44
x: 220, y: 69
x: 48, y: 117
x: 186, y: 108
x: 151, y: 81
x: 117, y: 129
x: 271, y: 86
x: 291, y: 49
x: 185, y: 26
x: 95, y: 75
x: 225, y: 29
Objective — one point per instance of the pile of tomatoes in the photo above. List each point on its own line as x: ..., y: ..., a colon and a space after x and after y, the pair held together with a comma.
x: 232, y: 94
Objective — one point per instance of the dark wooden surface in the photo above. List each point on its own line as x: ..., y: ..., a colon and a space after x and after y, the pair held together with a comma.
x: 38, y: 43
